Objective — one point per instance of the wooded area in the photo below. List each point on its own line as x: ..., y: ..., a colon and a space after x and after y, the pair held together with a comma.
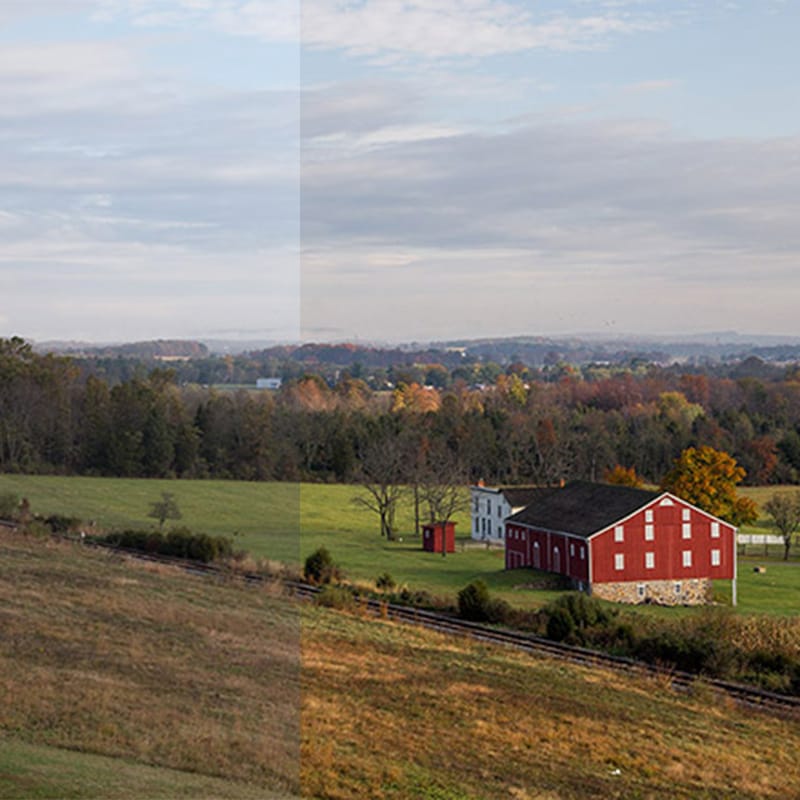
x: 60, y: 415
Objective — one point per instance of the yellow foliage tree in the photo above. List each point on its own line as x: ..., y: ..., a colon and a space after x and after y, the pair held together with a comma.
x: 707, y: 478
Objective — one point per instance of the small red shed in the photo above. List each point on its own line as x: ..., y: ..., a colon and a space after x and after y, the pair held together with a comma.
x: 434, y: 533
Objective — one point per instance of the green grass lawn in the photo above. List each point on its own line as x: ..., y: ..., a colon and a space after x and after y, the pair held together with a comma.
x: 286, y: 522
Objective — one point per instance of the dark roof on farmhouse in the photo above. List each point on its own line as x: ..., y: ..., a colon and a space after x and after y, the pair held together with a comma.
x: 583, y: 508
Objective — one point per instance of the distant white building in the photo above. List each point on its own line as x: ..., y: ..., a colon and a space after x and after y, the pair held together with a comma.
x: 268, y: 383
x: 490, y: 505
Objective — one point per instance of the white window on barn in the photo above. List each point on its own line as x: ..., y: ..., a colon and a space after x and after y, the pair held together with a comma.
x: 686, y: 514
x: 715, y: 530
x: 649, y: 533
x: 650, y: 560
x: 640, y: 589
x: 583, y: 553
x: 677, y: 588
x: 648, y: 515
x: 619, y: 533
x: 687, y: 558
x: 716, y: 558
x: 572, y: 551
x: 619, y: 561
x: 686, y: 530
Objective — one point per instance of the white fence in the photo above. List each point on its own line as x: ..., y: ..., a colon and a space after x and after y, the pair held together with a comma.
x: 758, y: 538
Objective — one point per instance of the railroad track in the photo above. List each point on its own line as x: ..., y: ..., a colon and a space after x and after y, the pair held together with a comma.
x: 774, y: 703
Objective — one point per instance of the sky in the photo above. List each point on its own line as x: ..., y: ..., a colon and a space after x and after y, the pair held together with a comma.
x: 397, y: 170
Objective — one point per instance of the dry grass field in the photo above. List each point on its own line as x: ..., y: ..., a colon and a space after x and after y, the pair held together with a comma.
x: 121, y: 681
x: 396, y: 712
x: 147, y: 665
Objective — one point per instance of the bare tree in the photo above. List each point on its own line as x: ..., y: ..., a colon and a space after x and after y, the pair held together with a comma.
x: 442, y: 488
x: 785, y: 512
x: 380, y: 474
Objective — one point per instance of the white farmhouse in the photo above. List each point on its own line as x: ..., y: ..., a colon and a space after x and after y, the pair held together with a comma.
x: 490, y: 505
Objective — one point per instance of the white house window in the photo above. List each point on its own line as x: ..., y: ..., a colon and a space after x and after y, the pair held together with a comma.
x: 619, y: 561
x: 687, y: 558
x: 498, y: 511
x: 648, y: 515
x: 686, y: 530
x: 716, y: 560
x: 500, y: 531
x: 686, y: 514
x: 649, y: 560
x: 619, y: 533
x: 649, y: 533
x: 488, y: 506
x: 715, y: 530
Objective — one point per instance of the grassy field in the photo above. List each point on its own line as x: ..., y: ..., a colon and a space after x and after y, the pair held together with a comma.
x: 285, y: 522
x: 198, y: 681
x: 38, y: 772
x: 125, y: 681
x: 395, y: 712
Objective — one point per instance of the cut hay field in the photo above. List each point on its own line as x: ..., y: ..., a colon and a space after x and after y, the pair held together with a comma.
x: 285, y: 522
x: 189, y: 687
x: 122, y: 681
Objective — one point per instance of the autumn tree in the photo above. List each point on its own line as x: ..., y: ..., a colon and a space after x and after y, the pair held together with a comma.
x: 785, y: 512
x: 623, y: 476
x: 708, y: 478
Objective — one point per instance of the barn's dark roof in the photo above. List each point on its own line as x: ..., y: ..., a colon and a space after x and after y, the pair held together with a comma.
x: 582, y: 508
x: 524, y: 495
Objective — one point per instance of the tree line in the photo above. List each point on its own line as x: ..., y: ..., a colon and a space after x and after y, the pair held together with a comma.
x: 58, y: 416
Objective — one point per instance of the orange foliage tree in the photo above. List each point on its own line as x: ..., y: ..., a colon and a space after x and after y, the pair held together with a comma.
x: 707, y: 478
x: 623, y: 476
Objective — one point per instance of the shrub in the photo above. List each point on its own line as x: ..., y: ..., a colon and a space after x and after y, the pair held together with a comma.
x: 319, y: 567
x: 498, y: 611
x: 9, y: 506
x: 385, y: 582
x: 59, y: 523
x: 473, y: 601
x: 338, y: 597
x: 560, y: 625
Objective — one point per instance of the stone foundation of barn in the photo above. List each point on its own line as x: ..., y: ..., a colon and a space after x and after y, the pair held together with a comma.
x: 690, y: 592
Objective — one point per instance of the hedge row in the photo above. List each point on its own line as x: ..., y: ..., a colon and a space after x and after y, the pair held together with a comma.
x: 178, y: 542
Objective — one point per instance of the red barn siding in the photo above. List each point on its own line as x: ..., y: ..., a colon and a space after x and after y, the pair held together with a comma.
x: 667, y: 547
x: 552, y: 552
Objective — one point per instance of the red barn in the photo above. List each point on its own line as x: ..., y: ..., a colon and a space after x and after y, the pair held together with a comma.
x: 624, y: 544
x: 432, y: 536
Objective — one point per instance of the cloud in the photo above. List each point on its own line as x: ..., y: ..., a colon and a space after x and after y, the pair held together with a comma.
x: 551, y: 223
x: 373, y: 28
